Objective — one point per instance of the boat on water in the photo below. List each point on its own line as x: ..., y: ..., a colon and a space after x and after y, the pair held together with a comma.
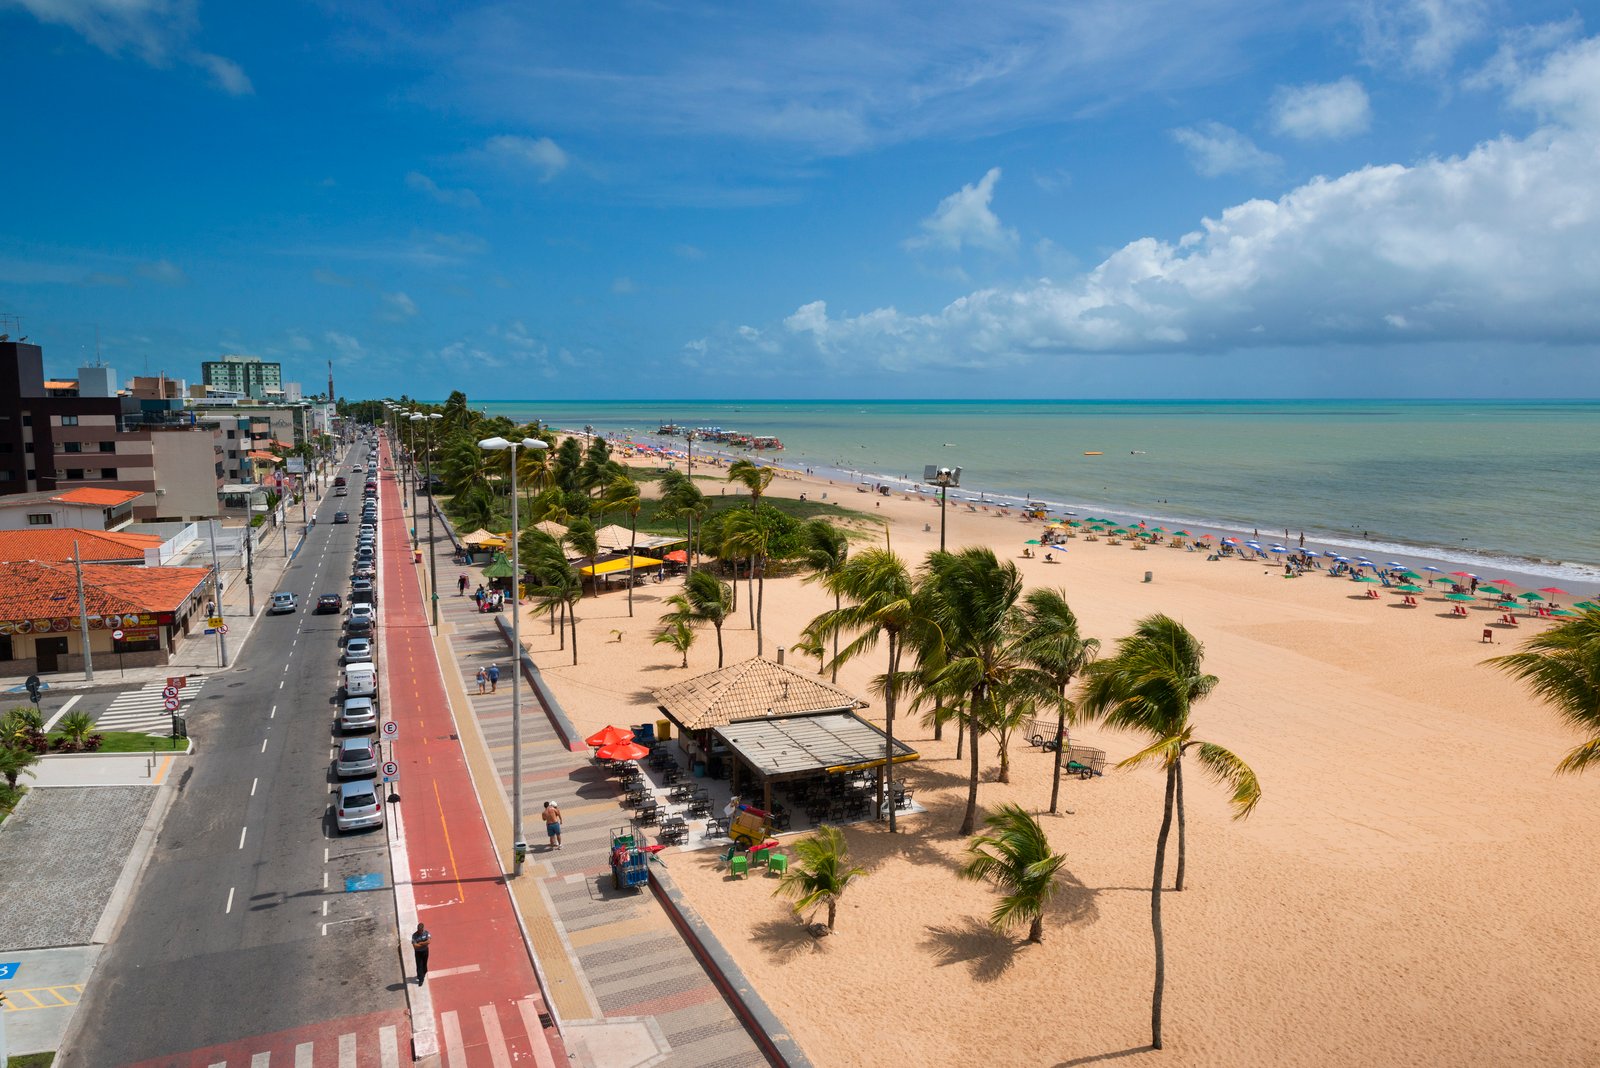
x: 669, y: 429
x: 1094, y: 454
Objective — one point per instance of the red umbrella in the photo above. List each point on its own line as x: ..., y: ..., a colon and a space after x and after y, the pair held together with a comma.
x: 1462, y: 574
x: 677, y: 556
x: 1554, y: 590
x: 628, y: 750
x: 609, y: 736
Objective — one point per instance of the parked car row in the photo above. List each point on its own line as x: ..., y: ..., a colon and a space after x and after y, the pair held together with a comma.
x: 359, y: 804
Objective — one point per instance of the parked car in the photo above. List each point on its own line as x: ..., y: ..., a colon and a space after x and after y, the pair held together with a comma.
x: 357, y: 756
x: 341, y: 517
x: 329, y: 603
x: 282, y: 602
x: 357, y: 806
x: 358, y: 713
x: 364, y: 555
x: 364, y: 614
x: 360, y: 585
x: 358, y: 651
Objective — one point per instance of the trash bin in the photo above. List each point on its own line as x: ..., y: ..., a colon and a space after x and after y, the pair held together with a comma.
x: 663, y: 729
x: 698, y: 769
x: 416, y: 558
x: 1148, y: 575
x: 644, y: 733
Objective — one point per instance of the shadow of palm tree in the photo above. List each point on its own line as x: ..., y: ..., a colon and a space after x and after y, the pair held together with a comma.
x: 1096, y: 1058
x: 987, y: 954
x: 1073, y: 904
x: 788, y: 938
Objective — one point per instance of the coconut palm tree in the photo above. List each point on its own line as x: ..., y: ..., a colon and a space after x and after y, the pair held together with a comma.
x: 824, y: 550
x: 1150, y: 685
x: 972, y: 599
x: 879, y: 601
x: 821, y: 872
x: 622, y: 495
x: 682, y: 499
x: 557, y: 586
x: 755, y: 477
x: 1562, y: 668
x: 705, y: 599
x: 753, y: 534
x: 581, y: 539
x: 1016, y: 857
x: 677, y: 633
x: 1055, y: 647
x: 16, y: 762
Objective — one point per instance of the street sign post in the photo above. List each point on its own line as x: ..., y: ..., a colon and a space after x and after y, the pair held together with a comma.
x: 177, y: 682
x: 171, y: 704
x: 170, y: 692
x: 391, y: 771
x: 391, y: 729
x: 214, y: 622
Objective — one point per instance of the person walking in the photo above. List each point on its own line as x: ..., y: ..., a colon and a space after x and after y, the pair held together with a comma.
x: 461, y: 585
x: 420, y: 938
x: 483, y: 680
x: 552, y: 823
x: 494, y: 677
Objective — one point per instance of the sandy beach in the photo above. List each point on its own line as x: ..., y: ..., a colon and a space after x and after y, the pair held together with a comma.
x: 1416, y: 887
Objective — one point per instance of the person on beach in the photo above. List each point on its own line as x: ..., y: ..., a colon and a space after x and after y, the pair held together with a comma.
x: 483, y: 680
x: 552, y: 823
x: 494, y: 677
x: 461, y: 585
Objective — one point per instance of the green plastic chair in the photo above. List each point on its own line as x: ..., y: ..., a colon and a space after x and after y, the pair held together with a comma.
x: 739, y: 865
x: 778, y: 863
x: 761, y: 856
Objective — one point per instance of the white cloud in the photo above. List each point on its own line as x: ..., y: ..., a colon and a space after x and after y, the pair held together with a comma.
x: 165, y: 272
x: 228, y: 75
x: 1420, y: 35
x: 346, y: 346
x: 1215, y: 149
x: 399, y: 306
x: 458, y: 198
x: 623, y: 284
x: 1328, y: 110
x: 689, y: 252
x: 1494, y: 245
x: 157, y: 31
x: 964, y: 218
x: 543, y: 155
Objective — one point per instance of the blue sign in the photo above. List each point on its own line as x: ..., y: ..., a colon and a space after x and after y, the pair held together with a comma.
x: 8, y: 969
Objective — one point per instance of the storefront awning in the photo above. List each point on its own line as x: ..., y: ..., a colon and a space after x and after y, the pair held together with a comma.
x: 622, y: 563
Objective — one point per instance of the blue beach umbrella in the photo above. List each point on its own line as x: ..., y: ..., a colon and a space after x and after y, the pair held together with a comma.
x: 1430, y: 567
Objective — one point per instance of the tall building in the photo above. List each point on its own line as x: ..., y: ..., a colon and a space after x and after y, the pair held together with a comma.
x: 249, y: 375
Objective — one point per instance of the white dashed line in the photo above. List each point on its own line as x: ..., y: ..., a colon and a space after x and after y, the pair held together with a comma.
x: 229, y: 906
x: 273, y: 713
x: 263, y: 745
x: 253, y: 786
x: 242, y: 831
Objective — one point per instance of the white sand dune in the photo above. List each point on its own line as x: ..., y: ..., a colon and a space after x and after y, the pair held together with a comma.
x: 1417, y: 887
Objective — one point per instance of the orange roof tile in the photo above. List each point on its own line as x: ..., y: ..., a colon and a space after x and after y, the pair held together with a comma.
x: 61, y: 383
x: 36, y: 591
x: 262, y: 454
x: 104, y: 497
x: 56, y: 545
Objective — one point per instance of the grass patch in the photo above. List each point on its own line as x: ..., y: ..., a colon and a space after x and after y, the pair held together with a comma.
x: 129, y: 742
x: 31, y: 1060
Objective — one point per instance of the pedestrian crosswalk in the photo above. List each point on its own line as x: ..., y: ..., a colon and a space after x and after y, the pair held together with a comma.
x: 494, y: 1036
x: 353, y: 1042
x: 143, y: 711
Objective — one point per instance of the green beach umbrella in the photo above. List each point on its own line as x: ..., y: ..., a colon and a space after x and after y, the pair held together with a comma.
x: 1031, y: 541
x: 1533, y: 596
x: 1459, y: 597
x: 1587, y: 606
x: 1490, y: 591
x: 1367, y: 578
x: 1074, y: 523
x: 1410, y: 589
x: 1562, y: 612
x: 1412, y: 575
x: 1180, y: 534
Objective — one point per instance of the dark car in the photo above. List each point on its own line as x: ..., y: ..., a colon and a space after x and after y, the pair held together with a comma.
x: 329, y: 602
x: 341, y: 517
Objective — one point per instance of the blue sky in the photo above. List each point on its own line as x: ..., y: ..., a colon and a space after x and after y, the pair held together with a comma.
x: 1066, y: 199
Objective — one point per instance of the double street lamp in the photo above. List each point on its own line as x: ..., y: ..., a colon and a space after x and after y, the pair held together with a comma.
x: 519, y: 846
x: 944, y: 478
x: 427, y: 418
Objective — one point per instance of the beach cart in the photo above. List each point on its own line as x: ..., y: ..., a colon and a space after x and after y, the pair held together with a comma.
x: 1083, y: 761
x: 749, y: 826
x: 627, y: 860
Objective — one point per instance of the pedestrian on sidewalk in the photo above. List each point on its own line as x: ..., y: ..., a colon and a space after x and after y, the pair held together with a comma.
x: 552, y: 823
x: 461, y: 585
x: 419, y: 946
x: 494, y: 677
x: 483, y: 680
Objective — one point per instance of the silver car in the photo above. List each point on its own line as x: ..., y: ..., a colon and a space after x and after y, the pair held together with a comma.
x: 358, y: 714
x: 357, y: 806
x: 357, y: 756
x: 282, y: 602
x: 358, y: 651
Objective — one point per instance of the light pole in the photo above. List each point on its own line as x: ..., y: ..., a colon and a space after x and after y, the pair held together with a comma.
x: 944, y: 478
x: 519, y: 847
x: 411, y: 429
x: 427, y: 459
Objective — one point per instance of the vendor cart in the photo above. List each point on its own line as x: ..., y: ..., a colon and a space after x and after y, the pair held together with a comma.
x: 628, y: 860
x: 749, y: 826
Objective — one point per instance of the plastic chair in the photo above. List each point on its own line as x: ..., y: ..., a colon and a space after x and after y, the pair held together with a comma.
x: 739, y: 865
x: 761, y: 856
x: 778, y: 862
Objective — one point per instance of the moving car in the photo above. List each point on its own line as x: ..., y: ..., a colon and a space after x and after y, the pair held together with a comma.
x: 341, y: 517
x: 357, y: 806
x: 329, y: 602
x: 358, y: 713
x: 357, y: 756
x: 282, y: 602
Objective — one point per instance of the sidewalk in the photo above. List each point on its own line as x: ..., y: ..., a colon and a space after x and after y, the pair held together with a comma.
x: 628, y: 989
x: 481, y: 1002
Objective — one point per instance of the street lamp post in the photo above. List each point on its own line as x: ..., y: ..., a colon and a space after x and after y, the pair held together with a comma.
x: 519, y: 846
x: 427, y: 460
x: 411, y: 419
x: 944, y: 478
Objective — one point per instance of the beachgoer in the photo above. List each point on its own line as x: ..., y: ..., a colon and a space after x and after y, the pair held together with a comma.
x: 494, y: 677
x: 552, y: 823
x: 483, y: 680
x: 461, y: 585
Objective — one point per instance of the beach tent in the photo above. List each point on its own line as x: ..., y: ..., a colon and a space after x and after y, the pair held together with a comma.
x: 616, y: 538
x: 621, y: 563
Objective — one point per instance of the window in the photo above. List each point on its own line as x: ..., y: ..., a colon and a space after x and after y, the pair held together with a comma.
x: 108, y: 472
x: 69, y: 420
x: 232, y: 434
x: 27, y: 420
x: 41, y: 519
x: 108, y: 446
x: 5, y: 446
x: 73, y: 446
x: 75, y: 472
x: 28, y: 447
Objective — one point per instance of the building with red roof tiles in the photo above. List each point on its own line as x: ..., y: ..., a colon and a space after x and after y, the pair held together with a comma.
x: 151, y: 608
x: 50, y: 545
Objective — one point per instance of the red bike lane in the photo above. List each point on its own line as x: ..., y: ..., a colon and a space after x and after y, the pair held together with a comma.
x: 481, y: 988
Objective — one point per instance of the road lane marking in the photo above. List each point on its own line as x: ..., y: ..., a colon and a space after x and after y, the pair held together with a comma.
x: 261, y: 1060
x: 449, y: 847
x: 280, y: 685
x: 324, y: 907
x: 347, y: 1051
x: 496, y: 1038
x: 242, y: 831
x: 253, y: 786
x: 465, y: 969
x: 273, y: 713
x: 263, y: 745
x: 535, y: 1029
x: 324, y: 880
x: 455, y: 1051
x: 229, y: 906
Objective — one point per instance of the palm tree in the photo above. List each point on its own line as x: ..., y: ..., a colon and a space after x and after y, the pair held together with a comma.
x: 682, y: 499
x: 821, y: 872
x: 705, y: 599
x: 581, y: 539
x: 677, y: 633
x: 824, y: 550
x: 1562, y: 668
x: 76, y: 727
x: 1016, y: 857
x: 973, y: 599
x: 752, y: 534
x: 16, y: 762
x: 881, y: 603
x: 755, y: 477
x: 622, y: 495
x: 558, y: 587
x: 1150, y: 686
x: 1055, y: 647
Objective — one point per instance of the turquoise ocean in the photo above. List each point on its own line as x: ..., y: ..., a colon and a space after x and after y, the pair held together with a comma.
x: 1496, y: 485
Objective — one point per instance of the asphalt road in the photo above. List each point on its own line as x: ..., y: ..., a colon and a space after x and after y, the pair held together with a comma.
x: 243, y: 923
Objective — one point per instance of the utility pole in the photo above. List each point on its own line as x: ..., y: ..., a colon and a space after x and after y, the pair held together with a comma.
x: 83, y: 614
x: 250, y: 564
x: 216, y: 594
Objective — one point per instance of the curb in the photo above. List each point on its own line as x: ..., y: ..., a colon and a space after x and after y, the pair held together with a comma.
x: 552, y: 708
x: 771, y: 1037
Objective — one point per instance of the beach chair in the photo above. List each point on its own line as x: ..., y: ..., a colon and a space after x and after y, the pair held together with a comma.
x: 1488, y: 636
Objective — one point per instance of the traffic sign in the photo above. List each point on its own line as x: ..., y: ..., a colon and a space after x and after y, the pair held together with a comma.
x: 33, y: 684
x: 170, y: 691
x: 391, y: 728
x: 177, y: 682
x: 390, y: 768
x: 116, y: 635
x: 214, y: 621
x: 171, y: 704
x: 223, y: 628
x: 8, y: 969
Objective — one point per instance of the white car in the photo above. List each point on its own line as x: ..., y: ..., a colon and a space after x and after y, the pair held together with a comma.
x: 358, y: 651
x: 357, y: 806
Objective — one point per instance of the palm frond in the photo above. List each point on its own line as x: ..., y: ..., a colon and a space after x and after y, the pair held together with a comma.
x: 1226, y: 768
